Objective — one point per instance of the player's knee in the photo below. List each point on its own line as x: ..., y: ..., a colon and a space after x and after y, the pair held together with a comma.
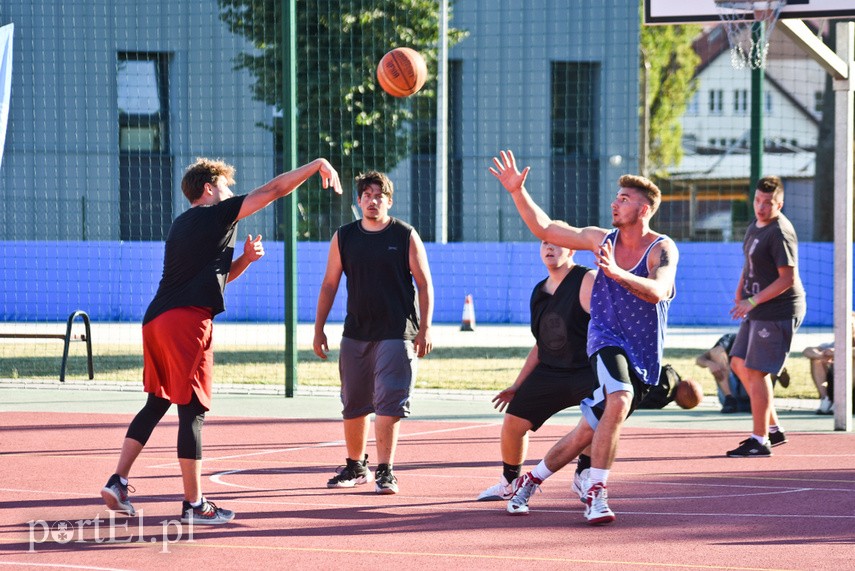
x: 618, y: 402
x: 515, y: 427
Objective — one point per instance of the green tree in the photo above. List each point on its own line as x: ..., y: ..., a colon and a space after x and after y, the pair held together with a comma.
x: 342, y: 112
x: 668, y: 63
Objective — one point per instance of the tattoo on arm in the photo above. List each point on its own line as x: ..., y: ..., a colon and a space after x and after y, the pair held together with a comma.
x: 663, y: 257
x: 635, y: 290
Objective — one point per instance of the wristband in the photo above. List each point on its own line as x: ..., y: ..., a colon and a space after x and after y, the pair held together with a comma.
x: 752, y: 302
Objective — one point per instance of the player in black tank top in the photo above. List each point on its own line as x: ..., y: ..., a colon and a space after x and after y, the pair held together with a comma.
x: 378, y: 262
x: 386, y: 328
x: 557, y: 373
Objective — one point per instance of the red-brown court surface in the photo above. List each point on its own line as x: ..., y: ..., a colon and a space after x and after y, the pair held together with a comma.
x: 680, y: 504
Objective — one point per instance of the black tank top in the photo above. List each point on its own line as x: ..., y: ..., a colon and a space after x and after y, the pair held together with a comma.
x: 381, y: 297
x: 560, y: 324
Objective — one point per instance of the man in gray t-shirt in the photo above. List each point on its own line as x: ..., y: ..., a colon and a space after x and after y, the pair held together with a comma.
x: 770, y: 300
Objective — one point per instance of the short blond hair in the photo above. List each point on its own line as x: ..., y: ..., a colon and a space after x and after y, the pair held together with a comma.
x: 205, y: 171
x: 645, y: 186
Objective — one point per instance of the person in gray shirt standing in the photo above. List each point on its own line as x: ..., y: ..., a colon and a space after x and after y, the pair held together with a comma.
x: 770, y: 300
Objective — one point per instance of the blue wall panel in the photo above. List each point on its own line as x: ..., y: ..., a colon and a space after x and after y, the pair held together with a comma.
x: 114, y: 281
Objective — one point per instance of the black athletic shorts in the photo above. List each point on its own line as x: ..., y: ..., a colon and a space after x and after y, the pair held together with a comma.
x: 614, y: 373
x: 547, y: 391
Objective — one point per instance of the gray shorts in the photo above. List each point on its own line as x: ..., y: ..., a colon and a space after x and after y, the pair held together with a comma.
x: 764, y: 345
x: 376, y: 376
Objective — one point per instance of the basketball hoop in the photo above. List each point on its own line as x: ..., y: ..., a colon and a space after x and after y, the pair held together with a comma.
x: 738, y: 17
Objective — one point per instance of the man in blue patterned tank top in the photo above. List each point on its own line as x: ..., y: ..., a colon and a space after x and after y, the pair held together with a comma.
x: 629, y: 308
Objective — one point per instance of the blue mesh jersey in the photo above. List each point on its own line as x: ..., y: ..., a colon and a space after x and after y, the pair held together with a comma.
x: 620, y: 319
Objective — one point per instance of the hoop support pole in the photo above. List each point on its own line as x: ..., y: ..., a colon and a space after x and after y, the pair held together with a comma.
x: 799, y: 33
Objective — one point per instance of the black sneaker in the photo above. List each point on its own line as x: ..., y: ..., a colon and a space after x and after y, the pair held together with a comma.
x: 352, y: 474
x: 730, y: 405
x: 750, y: 448
x: 777, y: 438
x: 386, y: 482
x: 115, y: 495
x: 207, y: 513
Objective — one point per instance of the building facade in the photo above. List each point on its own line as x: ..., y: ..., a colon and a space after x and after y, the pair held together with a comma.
x: 111, y: 100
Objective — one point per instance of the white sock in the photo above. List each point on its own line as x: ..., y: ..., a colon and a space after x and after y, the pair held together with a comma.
x: 760, y: 439
x: 598, y: 475
x: 197, y: 503
x: 541, y: 472
x: 124, y: 481
x: 774, y: 428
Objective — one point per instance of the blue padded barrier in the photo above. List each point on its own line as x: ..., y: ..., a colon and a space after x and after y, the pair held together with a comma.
x: 114, y: 281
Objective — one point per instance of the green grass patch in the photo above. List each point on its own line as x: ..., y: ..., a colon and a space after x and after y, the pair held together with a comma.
x: 453, y: 368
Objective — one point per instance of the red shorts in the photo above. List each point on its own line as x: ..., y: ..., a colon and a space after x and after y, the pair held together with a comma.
x: 178, y: 356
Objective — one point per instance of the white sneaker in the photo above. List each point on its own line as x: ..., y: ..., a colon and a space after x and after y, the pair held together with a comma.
x: 524, y: 487
x: 579, y: 479
x: 825, y: 406
x: 501, y: 491
x: 597, y: 505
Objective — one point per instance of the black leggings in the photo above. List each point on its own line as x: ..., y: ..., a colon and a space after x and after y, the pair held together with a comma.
x: 191, y: 416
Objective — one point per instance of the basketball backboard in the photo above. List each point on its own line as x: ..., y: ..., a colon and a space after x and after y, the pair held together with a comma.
x: 699, y: 11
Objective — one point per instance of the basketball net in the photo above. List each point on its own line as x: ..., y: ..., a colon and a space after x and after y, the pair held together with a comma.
x: 745, y: 51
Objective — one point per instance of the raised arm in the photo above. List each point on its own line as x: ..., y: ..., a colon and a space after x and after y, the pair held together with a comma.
x: 423, y: 343
x: 538, y: 222
x: 661, y: 270
x: 286, y: 183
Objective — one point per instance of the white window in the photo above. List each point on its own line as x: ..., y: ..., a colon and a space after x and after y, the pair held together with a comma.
x: 740, y: 101
x: 716, y: 101
x: 694, y: 105
x: 818, y: 97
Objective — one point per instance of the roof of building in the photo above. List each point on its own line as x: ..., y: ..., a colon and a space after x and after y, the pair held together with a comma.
x: 737, y: 165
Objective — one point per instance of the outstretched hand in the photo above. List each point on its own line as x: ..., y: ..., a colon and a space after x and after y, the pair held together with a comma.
x: 253, y: 249
x: 329, y: 176
x: 606, y: 259
x: 506, y: 171
x: 501, y: 400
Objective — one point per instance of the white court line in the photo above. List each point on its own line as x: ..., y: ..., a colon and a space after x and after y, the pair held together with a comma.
x: 483, y: 506
x: 323, y: 445
x: 262, y: 453
x: 55, y: 493
x: 60, y: 566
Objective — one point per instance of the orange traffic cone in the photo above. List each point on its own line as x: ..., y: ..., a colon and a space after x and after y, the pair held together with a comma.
x: 468, y: 321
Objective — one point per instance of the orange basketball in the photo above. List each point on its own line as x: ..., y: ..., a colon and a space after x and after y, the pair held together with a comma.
x: 402, y: 72
x: 688, y: 393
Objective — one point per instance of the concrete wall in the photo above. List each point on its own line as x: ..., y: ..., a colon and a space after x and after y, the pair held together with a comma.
x: 62, y: 139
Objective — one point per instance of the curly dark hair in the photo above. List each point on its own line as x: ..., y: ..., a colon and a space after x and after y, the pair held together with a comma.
x: 205, y: 171
x: 364, y: 180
